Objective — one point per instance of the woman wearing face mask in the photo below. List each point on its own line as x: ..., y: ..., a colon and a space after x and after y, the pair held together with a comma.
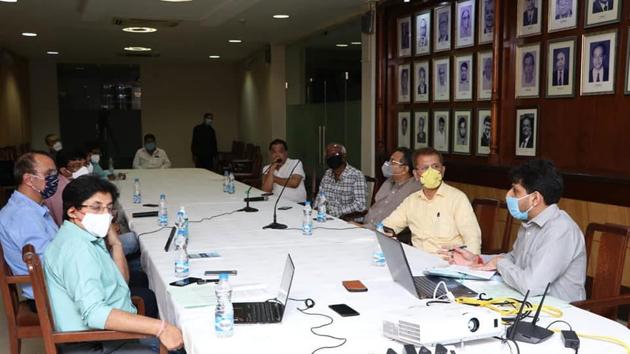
x: 86, y: 274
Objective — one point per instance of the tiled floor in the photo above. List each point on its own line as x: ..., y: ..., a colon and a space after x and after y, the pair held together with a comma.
x: 29, y: 346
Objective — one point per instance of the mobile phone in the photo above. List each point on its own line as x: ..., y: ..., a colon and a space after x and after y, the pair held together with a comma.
x: 150, y: 205
x: 185, y: 281
x: 217, y: 272
x: 203, y: 255
x: 286, y: 207
x: 354, y: 286
x: 344, y: 310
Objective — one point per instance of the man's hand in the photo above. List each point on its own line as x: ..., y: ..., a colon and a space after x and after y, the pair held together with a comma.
x: 490, y: 265
x: 172, y: 337
x: 112, y: 236
x: 458, y: 256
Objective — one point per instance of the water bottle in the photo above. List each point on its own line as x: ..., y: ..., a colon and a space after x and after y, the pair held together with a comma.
x: 224, y: 312
x: 226, y: 181
x: 231, y: 185
x: 321, y: 207
x: 378, y: 258
x: 182, y: 262
x: 181, y: 222
x: 111, y: 166
x: 163, y: 211
x: 307, y: 223
x: 137, y: 196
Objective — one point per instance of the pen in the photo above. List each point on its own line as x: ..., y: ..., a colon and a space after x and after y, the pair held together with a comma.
x: 460, y: 247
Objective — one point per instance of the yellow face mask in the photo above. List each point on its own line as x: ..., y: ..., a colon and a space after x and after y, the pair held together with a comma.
x: 431, y: 178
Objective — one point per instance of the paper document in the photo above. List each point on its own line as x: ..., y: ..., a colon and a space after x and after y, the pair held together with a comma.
x: 204, y: 295
x: 461, y: 272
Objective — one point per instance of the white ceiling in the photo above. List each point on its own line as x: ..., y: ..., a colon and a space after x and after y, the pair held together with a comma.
x: 83, y: 30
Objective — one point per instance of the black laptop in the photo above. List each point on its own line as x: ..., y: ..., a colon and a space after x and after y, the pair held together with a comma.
x: 420, y: 286
x: 270, y: 311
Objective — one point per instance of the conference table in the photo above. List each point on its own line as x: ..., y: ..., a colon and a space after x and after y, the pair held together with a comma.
x: 336, y: 251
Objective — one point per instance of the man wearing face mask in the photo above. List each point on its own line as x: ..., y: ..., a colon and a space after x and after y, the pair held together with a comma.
x: 86, y: 274
x: 71, y: 165
x: 439, y: 215
x: 276, y: 173
x: 54, y: 144
x: 24, y: 219
x: 150, y: 156
x: 204, y: 143
x: 343, y: 185
x: 398, y: 186
x: 549, y: 247
x: 93, y: 157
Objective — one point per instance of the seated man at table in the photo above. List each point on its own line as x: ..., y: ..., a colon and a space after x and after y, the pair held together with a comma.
x: 343, y: 185
x: 439, y: 215
x: 25, y: 219
x: 280, y: 169
x: 151, y: 156
x: 549, y: 247
x: 86, y: 274
x: 70, y: 164
x: 398, y: 186
x: 93, y: 157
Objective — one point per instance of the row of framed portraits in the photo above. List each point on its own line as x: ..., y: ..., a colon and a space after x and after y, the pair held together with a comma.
x: 416, y: 131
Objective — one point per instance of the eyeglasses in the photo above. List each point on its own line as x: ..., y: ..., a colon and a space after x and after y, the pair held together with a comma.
x: 99, y: 209
x: 435, y: 166
x: 392, y: 161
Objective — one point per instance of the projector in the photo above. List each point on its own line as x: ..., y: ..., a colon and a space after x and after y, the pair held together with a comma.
x: 442, y: 323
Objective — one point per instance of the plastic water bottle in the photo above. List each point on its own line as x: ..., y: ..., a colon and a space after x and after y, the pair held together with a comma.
x: 137, y: 195
x: 231, y: 184
x: 224, y: 312
x: 163, y: 211
x: 307, y: 223
x: 182, y: 262
x: 111, y: 166
x: 378, y: 258
x: 321, y: 207
x: 181, y: 222
x: 226, y: 181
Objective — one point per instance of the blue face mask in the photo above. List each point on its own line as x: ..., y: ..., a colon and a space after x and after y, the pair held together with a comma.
x: 149, y: 146
x: 512, y: 205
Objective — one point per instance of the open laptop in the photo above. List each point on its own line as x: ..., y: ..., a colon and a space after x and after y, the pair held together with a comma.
x: 420, y: 286
x: 268, y: 311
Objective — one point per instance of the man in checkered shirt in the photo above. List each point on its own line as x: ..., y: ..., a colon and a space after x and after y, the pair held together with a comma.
x: 343, y: 185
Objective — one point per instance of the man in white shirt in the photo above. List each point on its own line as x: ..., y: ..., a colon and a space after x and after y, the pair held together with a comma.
x: 275, y: 174
x: 150, y: 156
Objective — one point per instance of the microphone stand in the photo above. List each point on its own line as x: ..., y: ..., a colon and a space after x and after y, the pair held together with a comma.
x: 275, y: 225
x: 247, y: 208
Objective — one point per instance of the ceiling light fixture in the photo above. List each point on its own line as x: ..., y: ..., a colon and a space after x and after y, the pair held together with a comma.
x: 281, y: 17
x: 214, y: 56
x: 355, y: 43
x: 235, y: 41
x: 139, y: 29
x: 52, y: 52
x: 8, y: 0
x: 341, y: 45
x: 176, y: 0
x: 137, y: 49
x: 29, y: 34
x: 403, y: 0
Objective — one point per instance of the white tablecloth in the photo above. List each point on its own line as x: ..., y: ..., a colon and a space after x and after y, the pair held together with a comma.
x: 322, y: 262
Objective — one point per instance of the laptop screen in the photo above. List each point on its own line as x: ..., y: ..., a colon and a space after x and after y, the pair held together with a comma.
x: 397, y: 262
x: 287, y: 279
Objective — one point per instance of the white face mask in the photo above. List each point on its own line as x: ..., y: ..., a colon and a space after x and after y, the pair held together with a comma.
x: 57, y: 146
x: 95, y: 158
x: 80, y: 172
x: 208, y: 121
x: 97, y: 224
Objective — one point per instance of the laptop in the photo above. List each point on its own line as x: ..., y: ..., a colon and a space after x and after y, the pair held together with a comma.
x: 270, y: 311
x: 420, y: 286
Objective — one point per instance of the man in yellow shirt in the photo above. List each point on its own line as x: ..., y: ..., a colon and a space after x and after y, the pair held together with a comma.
x: 438, y: 215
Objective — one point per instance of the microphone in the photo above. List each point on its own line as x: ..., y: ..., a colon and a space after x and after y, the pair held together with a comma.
x: 275, y: 224
x: 247, y: 208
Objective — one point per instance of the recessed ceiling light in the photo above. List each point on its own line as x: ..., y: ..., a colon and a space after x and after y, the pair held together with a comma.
x: 235, y: 41
x: 214, y: 56
x: 341, y: 45
x: 52, y: 52
x: 8, y: 0
x: 355, y: 43
x: 139, y: 29
x: 176, y: 0
x: 137, y: 49
x: 29, y: 34
x: 281, y: 17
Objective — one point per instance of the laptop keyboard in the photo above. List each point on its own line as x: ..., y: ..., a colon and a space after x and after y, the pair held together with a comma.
x: 261, y: 312
x: 426, y: 286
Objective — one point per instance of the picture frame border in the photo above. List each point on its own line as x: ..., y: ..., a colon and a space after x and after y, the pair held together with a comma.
x: 398, y: 127
x: 414, y: 144
x: 516, y: 68
x: 603, y: 23
x: 398, y: 86
x: 436, y: 29
x: 434, y: 127
x: 434, y: 73
x: 399, y: 20
x: 549, y: 19
x: 479, y: 75
x: 519, y: 15
x: 626, y: 89
x: 612, y: 75
x: 477, y: 133
x: 472, y: 77
x: 473, y: 15
x: 430, y: 29
x: 480, y: 17
x: 416, y: 77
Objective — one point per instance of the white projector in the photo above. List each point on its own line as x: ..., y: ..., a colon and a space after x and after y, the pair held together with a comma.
x: 442, y: 323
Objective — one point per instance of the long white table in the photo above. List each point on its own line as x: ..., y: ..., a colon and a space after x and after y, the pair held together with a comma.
x: 322, y: 262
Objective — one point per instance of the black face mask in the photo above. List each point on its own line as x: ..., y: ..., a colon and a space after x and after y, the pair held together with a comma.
x: 334, y: 161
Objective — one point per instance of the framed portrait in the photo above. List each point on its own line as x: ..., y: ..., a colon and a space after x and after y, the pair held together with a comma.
x: 421, y: 124
x: 465, y: 23
x: 526, y: 125
x: 561, y: 68
x: 463, y: 68
x: 423, y: 82
x: 601, y: 12
x: 484, y: 75
x: 562, y: 15
x: 440, y: 130
x: 441, y: 79
x: 404, y: 129
x: 484, y: 131
x: 528, y: 17
x: 442, y: 29
x: 404, y: 83
x: 404, y: 37
x: 462, y: 131
x: 598, y: 63
x: 527, y: 71
x: 486, y: 21
x: 627, y: 89
x: 423, y: 33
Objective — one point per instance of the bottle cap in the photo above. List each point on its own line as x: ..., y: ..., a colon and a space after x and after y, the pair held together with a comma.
x: 223, y: 276
x: 307, y: 202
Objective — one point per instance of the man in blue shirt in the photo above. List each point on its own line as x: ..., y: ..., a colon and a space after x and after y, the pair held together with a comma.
x: 25, y: 219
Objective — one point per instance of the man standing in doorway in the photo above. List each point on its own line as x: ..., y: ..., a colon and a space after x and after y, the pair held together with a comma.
x: 204, y: 143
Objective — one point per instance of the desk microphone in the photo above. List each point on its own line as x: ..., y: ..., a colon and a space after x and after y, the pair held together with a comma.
x: 275, y: 224
x: 247, y: 208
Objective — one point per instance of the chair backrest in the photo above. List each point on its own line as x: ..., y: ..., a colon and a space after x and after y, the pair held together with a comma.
x: 238, y: 147
x: 9, y: 292
x: 371, y: 192
x: 608, y: 264
x: 487, y: 212
x: 38, y: 282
